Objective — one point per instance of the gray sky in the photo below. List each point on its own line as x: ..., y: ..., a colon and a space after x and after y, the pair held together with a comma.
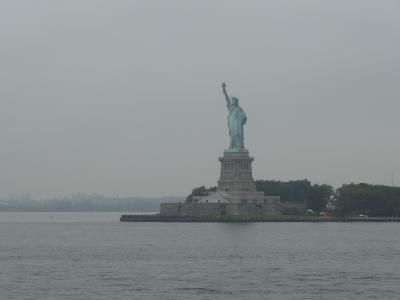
x: 124, y: 97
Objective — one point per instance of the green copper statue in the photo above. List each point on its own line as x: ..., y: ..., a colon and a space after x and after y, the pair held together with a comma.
x: 236, y: 119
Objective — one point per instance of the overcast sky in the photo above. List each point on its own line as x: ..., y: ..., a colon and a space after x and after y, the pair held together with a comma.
x: 124, y: 97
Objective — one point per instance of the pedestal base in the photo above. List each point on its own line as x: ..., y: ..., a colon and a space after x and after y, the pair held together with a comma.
x: 236, y: 173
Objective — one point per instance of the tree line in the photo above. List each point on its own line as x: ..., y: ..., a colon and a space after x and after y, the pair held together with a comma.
x: 368, y: 199
x: 348, y: 200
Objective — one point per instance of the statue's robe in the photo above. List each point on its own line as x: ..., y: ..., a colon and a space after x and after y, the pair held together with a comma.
x: 236, y: 119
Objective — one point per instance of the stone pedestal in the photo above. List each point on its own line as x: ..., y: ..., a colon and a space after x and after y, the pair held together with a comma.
x: 236, y: 173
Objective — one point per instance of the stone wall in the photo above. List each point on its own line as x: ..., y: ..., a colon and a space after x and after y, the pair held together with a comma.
x: 217, y: 209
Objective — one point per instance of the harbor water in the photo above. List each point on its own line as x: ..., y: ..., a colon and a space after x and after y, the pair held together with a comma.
x: 94, y: 256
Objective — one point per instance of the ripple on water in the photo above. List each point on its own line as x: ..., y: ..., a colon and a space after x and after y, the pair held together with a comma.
x: 105, y: 260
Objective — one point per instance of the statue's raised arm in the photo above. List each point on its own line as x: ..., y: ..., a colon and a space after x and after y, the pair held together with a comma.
x: 228, y: 101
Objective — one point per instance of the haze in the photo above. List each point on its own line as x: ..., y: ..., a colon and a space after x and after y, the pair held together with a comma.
x: 124, y: 97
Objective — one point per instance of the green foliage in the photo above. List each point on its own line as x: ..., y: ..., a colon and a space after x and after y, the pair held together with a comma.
x: 314, y: 195
x: 200, y: 191
x: 367, y: 199
x: 318, y: 196
x: 291, y: 191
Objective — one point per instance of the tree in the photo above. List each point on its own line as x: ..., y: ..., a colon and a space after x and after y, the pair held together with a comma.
x: 319, y: 196
x: 363, y: 198
x: 315, y: 196
x: 198, y: 191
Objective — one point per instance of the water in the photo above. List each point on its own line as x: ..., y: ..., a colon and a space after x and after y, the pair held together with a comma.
x: 93, y: 256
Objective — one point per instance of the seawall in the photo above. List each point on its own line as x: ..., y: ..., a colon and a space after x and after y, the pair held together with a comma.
x: 160, y: 218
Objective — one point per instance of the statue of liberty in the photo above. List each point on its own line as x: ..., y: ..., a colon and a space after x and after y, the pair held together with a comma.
x: 236, y: 119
